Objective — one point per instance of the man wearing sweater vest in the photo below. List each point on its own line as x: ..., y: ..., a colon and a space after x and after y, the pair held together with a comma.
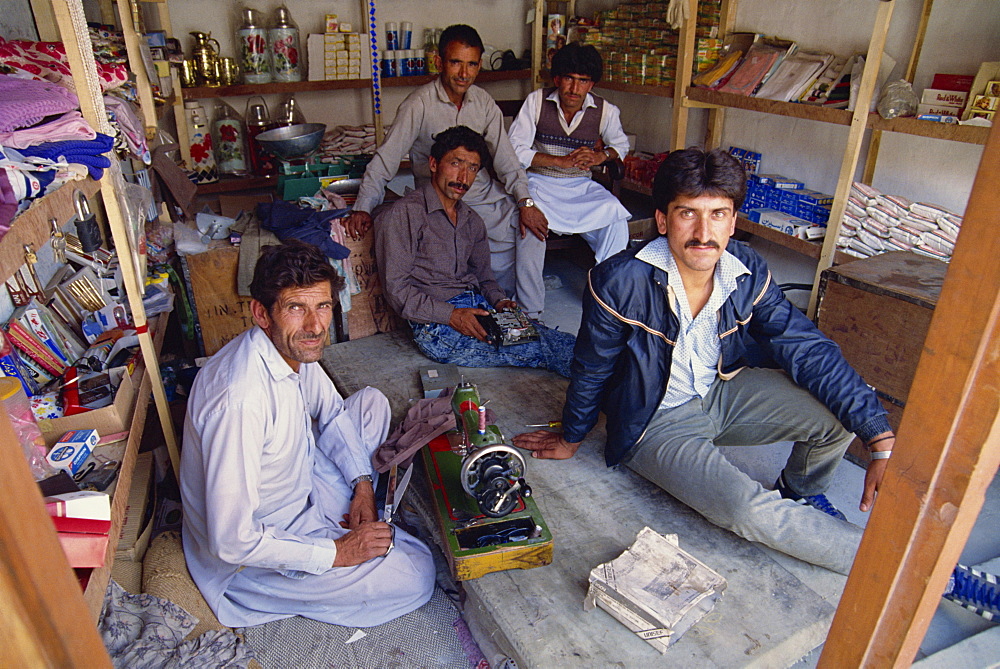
x: 559, y: 135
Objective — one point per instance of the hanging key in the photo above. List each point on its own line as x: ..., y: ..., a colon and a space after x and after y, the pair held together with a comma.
x: 58, y: 241
x: 30, y: 258
x: 86, y: 224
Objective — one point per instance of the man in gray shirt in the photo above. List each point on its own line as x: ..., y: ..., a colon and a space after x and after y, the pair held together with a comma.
x: 433, y: 259
x: 516, y: 227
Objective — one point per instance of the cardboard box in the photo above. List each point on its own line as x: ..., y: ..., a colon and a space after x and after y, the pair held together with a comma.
x: 938, y: 110
x: 987, y: 72
x: 114, y: 418
x: 138, y: 526
x: 72, y: 449
x: 937, y: 96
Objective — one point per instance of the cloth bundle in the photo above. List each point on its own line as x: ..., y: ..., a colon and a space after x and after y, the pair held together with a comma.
x: 89, y: 153
x: 25, y: 102
x: 289, y: 221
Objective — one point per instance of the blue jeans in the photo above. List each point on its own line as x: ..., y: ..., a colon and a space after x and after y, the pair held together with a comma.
x: 443, y: 343
x: 758, y: 406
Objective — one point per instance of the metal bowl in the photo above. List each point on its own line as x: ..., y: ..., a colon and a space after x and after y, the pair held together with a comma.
x: 293, y: 141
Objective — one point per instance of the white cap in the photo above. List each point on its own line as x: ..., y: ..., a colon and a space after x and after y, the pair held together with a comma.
x: 407, y: 25
x: 390, y: 26
x: 408, y: 53
x: 389, y: 54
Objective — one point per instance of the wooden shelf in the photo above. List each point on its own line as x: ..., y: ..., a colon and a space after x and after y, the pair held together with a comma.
x: 807, y: 248
x: 32, y: 226
x: 200, y: 92
x: 969, y: 134
x: 661, y: 90
x: 93, y: 595
x: 792, y: 109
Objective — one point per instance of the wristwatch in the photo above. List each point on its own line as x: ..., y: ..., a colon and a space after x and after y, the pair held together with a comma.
x: 363, y: 477
x: 526, y: 202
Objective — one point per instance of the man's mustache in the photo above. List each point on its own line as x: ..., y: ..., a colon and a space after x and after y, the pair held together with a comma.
x: 698, y: 242
x: 458, y: 185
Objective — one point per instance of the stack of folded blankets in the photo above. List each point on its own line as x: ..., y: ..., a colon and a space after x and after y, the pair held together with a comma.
x: 875, y: 223
x: 348, y: 140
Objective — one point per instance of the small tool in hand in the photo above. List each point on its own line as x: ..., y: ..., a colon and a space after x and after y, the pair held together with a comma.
x: 393, y: 495
x: 554, y: 423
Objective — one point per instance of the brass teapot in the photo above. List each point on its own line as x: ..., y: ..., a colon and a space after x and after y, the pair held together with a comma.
x: 206, y: 58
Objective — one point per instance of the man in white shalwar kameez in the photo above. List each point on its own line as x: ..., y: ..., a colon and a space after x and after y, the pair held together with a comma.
x: 559, y: 134
x: 276, y: 473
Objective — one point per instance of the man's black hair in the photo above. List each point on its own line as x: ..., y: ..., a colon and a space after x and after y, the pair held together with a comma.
x: 293, y: 264
x: 462, y: 34
x: 693, y: 173
x: 576, y: 58
x: 461, y: 136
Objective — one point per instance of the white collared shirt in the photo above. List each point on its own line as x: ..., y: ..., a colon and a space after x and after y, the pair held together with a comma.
x: 697, y: 349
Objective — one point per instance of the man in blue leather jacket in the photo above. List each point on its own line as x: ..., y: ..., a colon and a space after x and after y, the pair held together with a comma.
x: 667, y: 334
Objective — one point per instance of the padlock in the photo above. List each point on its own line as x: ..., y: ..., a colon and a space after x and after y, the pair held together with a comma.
x: 87, y: 229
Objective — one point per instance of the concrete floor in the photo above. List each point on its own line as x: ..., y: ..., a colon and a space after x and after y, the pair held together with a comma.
x: 951, y: 625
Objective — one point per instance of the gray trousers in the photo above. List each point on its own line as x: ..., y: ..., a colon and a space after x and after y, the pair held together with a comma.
x: 759, y: 406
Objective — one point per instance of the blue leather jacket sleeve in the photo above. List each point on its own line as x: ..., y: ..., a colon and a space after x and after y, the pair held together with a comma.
x: 815, y: 363
x: 601, y: 339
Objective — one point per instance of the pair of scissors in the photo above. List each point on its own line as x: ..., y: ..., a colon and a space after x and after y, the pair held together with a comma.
x: 394, y: 491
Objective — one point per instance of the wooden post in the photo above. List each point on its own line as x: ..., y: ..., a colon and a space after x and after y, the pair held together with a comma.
x: 859, y: 122
x: 685, y: 61
x: 946, y: 455
x: 44, y: 619
x: 80, y: 55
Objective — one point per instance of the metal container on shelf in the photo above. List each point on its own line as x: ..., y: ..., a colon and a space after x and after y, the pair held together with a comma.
x: 200, y: 143
x: 258, y: 120
x: 206, y: 58
x: 255, y: 55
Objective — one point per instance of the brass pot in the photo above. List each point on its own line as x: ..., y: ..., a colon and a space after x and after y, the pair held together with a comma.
x: 206, y: 58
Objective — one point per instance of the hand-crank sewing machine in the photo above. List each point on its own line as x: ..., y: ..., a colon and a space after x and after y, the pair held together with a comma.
x: 487, y: 516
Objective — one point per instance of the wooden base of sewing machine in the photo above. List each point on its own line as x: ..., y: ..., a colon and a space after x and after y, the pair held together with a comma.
x: 462, y: 525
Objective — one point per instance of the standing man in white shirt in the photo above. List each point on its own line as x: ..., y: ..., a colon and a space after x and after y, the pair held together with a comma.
x: 276, y: 473
x: 562, y: 132
x: 517, y: 229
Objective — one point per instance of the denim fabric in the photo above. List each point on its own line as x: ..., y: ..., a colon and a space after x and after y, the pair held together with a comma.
x: 758, y: 406
x: 442, y: 343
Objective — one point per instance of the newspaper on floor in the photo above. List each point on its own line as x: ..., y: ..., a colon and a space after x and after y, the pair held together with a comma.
x: 655, y: 588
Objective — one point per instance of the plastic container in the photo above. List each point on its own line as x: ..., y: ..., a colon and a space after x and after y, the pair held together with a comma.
x: 18, y: 408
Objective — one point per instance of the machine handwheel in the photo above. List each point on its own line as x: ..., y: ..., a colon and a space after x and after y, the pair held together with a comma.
x: 490, y: 498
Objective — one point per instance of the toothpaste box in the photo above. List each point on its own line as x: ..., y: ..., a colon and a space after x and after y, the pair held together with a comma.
x: 779, y: 220
x: 72, y: 449
x: 812, y: 197
x: 777, y: 181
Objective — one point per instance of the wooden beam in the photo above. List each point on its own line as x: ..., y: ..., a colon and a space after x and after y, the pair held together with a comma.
x: 44, y: 619
x: 79, y: 52
x: 685, y: 61
x: 849, y: 163
x: 918, y: 42
x: 946, y: 455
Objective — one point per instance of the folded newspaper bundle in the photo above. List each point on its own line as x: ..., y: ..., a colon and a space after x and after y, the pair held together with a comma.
x: 655, y: 589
